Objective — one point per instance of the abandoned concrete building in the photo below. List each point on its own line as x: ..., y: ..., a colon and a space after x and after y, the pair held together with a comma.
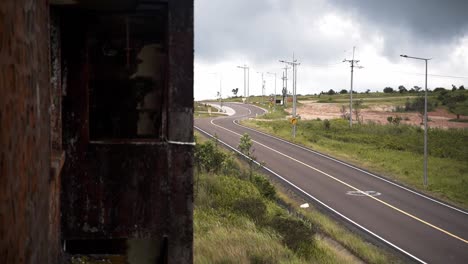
x: 96, y: 136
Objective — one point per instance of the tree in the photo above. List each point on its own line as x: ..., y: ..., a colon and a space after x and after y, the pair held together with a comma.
x: 357, y: 106
x: 417, y: 88
x: 460, y: 108
x: 388, y: 90
x: 439, y: 89
x: 454, y: 88
x: 245, y: 147
x: 367, y: 91
x: 344, y: 112
x: 331, y: 92
x: 344, y: 91
x: 235, y: 91
x: 461, y: 87
x: 402, y: 89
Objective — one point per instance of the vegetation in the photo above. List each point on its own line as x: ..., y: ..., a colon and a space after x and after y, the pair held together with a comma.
x: 238, y: 219
x: 392, y: 150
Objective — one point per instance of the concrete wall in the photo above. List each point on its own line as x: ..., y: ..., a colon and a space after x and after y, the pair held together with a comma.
x: 25, y: 179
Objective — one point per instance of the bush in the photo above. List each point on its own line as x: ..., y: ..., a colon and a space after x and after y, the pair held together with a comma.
x: 264, y: 186
x: 326, y: 124
x: 252, y: 207
x: 295, y: 232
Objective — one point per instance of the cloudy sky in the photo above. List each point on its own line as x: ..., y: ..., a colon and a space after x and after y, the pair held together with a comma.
x: 321, y: 34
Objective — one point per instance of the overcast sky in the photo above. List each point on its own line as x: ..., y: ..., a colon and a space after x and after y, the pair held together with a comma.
x: 321, y: 33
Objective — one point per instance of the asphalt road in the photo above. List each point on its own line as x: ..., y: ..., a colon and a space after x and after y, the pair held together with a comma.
x: 424, y: 229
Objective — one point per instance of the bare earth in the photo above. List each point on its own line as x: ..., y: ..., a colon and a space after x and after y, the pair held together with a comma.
x: 378, y: 114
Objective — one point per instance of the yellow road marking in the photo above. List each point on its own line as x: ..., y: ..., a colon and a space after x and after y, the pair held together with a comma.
x: 352, y: 187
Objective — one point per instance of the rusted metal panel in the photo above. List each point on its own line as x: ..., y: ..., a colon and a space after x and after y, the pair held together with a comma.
x: 121, y: 193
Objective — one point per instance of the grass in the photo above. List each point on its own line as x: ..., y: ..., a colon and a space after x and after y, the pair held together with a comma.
x: 390, y: 150
x: 238, y: 219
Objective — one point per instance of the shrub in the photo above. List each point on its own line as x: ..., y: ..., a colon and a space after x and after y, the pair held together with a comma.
x: 264, y: 186
x: 252, y: 207
x: 295, y: 232
x: 326, y: 124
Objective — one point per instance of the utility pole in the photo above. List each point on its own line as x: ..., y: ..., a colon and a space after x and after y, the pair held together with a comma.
x: 263, y: 88
x: 294, y: 65
x: 274, y: 73
x: 425, y: 118
x: 245, y: 68
x: 353, y: 64
x: 285, y: 85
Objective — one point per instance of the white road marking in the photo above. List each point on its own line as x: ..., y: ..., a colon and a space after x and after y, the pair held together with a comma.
x: 365, y: 193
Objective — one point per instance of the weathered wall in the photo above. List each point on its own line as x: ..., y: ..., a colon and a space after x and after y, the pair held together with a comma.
x: 24, y: 134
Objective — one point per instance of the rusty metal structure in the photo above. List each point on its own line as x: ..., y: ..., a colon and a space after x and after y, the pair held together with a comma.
x: 119, y: 105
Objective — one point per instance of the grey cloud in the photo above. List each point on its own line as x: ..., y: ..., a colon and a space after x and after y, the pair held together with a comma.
x: 429, y: 19
x: 262, y: 31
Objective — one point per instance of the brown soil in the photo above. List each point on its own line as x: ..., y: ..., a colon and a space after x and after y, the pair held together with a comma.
x: 378, y: 114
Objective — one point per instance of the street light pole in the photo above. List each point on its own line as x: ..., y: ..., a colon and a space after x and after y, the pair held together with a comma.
x: 294, y: 64
x: 425, y: 116
x: 263, y: 88
x: 245, y: 85
x: 274, y: 73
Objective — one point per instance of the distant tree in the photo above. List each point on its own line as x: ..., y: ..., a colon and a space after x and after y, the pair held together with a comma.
x: 456, y: 101
x: 367, y: 91
x: 461, y: 87
x: 439, y: 89
x: 402, y: 89
x: 344, y: 112
x: 388, y: 90
x: 460, y: 108
x: 344, y: 91
x: 331, y: 92
x: 417, y: 88
x: 235, y: 91
x: 357, y: 106
x: 454, y: 88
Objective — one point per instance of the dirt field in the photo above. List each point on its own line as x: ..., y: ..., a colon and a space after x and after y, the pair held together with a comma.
x: 438, y: 118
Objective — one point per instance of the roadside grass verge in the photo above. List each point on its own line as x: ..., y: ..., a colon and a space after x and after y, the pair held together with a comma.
x: 242, y: 219
x: 395, y: 151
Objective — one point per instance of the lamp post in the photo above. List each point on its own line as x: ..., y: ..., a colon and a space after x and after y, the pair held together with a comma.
x: 294, y: 64
x: 425, y: 116
x: 245, y: 67
x: 263, y: 87
x: 274, y: 73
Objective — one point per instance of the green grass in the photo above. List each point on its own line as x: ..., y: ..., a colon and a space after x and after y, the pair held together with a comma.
x: 238, y: 219
x: 394, y: 151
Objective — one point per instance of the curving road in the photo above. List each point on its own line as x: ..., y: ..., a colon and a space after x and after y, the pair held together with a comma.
x: 424, y: 229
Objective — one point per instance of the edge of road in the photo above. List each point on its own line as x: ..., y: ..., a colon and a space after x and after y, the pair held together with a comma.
x: 329, y: 210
